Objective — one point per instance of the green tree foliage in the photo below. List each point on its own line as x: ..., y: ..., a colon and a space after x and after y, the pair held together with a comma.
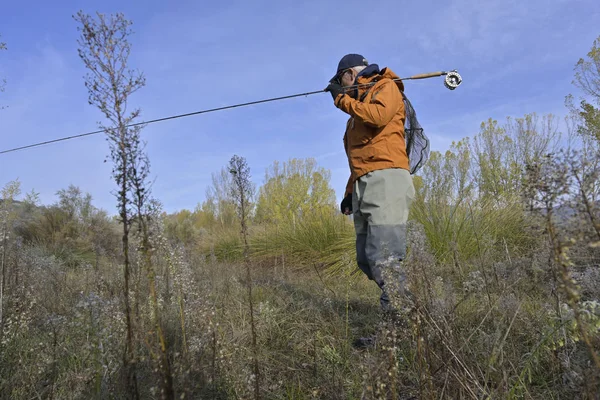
x: 180, y: 227
x: 72, y: 229
x: 204, y: 217
x: 77, y: 205
x: 474, y: 187
x: 216, y: 214
x: 501, y: 153
x: 31, y: 200
x: 587, y: 78
x: 296, y: 189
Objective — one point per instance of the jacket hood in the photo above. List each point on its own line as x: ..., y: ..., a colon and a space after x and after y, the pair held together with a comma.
x: 372, y: 74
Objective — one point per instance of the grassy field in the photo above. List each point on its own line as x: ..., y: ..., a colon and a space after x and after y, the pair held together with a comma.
x: 489, y: 328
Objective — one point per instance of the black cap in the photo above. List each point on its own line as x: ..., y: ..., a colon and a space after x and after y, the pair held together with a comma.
x: 349, y: 61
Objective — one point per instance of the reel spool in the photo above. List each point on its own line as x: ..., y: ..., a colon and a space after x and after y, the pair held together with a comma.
x: 453, y: 80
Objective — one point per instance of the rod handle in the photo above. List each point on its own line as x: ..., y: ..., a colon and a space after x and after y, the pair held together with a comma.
x: 427, y: 75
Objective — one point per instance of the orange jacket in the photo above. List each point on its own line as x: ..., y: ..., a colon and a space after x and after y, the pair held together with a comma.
x: 374, y: 137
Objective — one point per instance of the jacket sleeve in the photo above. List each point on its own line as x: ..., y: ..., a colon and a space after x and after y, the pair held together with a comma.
x: 349, y: 184
x: 386, y: 101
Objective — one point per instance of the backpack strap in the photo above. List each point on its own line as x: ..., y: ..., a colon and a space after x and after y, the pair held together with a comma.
x: 364, y: 95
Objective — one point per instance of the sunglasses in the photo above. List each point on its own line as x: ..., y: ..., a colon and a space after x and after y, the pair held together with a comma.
x: 340, y: 75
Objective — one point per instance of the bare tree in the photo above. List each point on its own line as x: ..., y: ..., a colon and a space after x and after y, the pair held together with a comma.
x: 219, y: 199
x: 104, y: 49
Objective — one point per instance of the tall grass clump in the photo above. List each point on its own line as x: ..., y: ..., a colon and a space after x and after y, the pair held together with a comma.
x: 313, y: 238
x: 469, y: 197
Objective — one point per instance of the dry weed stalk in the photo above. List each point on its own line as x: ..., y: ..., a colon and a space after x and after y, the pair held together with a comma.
x: 242, y: 189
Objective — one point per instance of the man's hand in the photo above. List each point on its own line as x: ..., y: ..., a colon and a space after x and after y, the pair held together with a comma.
x: 346, y: 204
x: 335, y: 89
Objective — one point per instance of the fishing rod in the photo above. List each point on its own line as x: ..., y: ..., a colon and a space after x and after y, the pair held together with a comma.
x: 452, y: 81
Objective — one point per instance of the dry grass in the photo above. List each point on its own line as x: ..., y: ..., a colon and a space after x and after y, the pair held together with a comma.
x: 465, y: 339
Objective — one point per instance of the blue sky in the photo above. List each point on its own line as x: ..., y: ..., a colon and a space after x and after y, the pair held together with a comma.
x: 516, y: 57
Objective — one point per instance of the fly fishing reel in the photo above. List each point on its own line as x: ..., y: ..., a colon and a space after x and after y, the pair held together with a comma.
x: 453, y: 80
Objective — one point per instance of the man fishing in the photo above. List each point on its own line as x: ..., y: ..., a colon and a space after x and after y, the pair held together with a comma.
x: 380, y: 188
